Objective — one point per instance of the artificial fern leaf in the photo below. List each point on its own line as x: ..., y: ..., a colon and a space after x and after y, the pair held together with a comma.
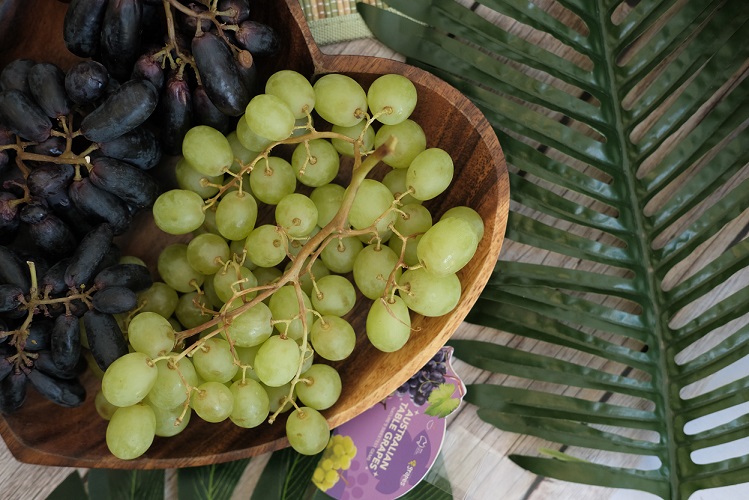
x: 624, y: 125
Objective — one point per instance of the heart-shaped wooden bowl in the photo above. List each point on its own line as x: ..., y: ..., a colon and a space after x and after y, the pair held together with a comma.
x: 43, y: 433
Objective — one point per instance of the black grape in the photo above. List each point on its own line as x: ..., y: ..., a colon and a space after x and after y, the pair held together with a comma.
x: 105, y: 338
x: 14, y: 75
x: 9, y: 219
x: 87, y: 257
x: 12, y: 392
x: 86, y: 81
x: 146, y: 68
x: 120, y: 36
x: 189, y: 24
x: 38, y: 339
x: 10, y: 298
x: 208, y: 114
x: 131, y: 184
x: 132, y: 276
x: 220, y: 75
x: 114, y: 300
x: 65, y: 340
x: 82, y: 26
x: 138, y: 147
x: 48, y: 231
x: 53, y: 281
x: 23, y: 116
x: 5, y: 366
x: 260, y: 39
x: 64, y: 207
x: 49, y: 178
x: 176, y: 114
x: 13, y: 270
x: 100, y: 205
x: 47, y: 87
x: 123, y: 110
x: 46, y: 364
x: 69, y: 393
x: 241, y: 11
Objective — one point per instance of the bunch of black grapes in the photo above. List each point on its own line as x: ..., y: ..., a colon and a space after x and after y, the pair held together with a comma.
x: 200, y: 56
x: 42, y: 308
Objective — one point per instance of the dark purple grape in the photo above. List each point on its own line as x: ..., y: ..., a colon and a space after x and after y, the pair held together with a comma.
x: 241, y: 11
x: 38, y: 339
x: 122, y: 111
x: 147, y: 68
x: 189, y: 24
x: 23, y: 116
x: 14, y: 75
x: 419, y: 399
x: 248, y: 70
x: 114, y: 300
x: 220, y: 75
x: 12, y: 392
x: 132, y: 276
x: 176, y: 114
x: 10, y: 298
x: 49, y: 178
x: 138, y: 147
x: 426, y: 388
x: 207, y: 113
x: 64, y: 208
x: 47, y: 87
x: 65, y: 340
x: 86, y: 82
x: 82, y: 26
x: 53, y: 281
x: 9, y: 220
x: 46, y: 364
x: 100, y: 205
x: 260, y: 39
x: 68, y: 393
x: 131, y: 184
x: 53, y: 146
x: 13, y: 270
x: 105, y: 338
x: 120, y: 36
x: 87, y: 257
x: 48, y: 231
x: 5, y: 366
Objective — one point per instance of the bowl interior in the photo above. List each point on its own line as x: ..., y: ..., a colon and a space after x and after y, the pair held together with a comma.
x: 451, y: 122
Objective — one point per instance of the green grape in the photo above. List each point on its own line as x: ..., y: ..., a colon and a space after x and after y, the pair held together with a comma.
x: 212, y: 401
x: 175, y: 269
x: 339, y: 255
x: 251, y: 403
x: 132, y: 259
x: 214, y: 361
x: 318, y: 270
x: 372, y: 200
x: 266, y: 275
x: 409, y: 256
x: 207, y: 252
x: 271, y: 179
x: 242, y: 155
x: 411, y: 142
x: 150, y: 334
x: 207, y: 150
x: 284, y: 305
x: 315, y: 162
x: 372, y: 269
x: 266, y: 246
x: 169, y: 389
x: 190, y: 179
x: 447, y: 246
x: 392, y: 98
x: 296, y: 245
x: 178, y: 211
x: 277, y: 396
x: 388, y: 324
x: 429, y: 174
x: 429, y: 294
x: 159, y: 298
x: 128, y: 379
x: 319, y: 387
x: 209, y: 223
x: 413, y: 219
x: 187, y: 311
x: 249, y: 139
x: 236, y: 215
x: 167, y: 420
x: 294, y: 89
x: 130, y: 431
x: 232, y: 279
x: 246, y: 357
x: 469, y: 215
x: 335, y: 296
x: 297, y: 214
x: 104, y: 408
x: 395, y: 180
x: 340, y: 100
x: 250, y: 328
x: 307, y: 430
x: 277, y: 361
x: 328, y: 200
x: 236, y: 247
x: 209, y: 290
x: 269, y: 116
x: 309, y: 356
x: 354, y: 132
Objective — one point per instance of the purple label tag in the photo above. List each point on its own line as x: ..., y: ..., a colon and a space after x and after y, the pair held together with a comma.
x: 384, y: 452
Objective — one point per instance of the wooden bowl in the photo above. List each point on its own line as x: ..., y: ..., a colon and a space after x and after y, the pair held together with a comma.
x: 43, y: 433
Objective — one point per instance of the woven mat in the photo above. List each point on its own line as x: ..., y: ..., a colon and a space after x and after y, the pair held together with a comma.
x: 333, y: 21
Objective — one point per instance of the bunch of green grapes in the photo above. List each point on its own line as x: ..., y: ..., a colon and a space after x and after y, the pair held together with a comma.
x: 250, y: 310
x: 336, y: 458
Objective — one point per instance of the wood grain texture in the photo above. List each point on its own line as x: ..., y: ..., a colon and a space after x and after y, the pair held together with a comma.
x: 450, y: 121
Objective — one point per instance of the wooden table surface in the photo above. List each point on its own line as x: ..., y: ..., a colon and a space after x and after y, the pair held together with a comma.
x: 474, y: 453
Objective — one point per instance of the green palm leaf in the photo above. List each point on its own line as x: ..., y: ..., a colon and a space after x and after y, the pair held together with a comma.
x: 624, y: 125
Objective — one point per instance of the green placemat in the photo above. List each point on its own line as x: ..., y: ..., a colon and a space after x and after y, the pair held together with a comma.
x: 332, y: 21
